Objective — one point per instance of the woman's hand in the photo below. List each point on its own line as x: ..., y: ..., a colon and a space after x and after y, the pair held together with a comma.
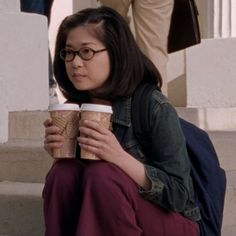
x: 103, y: 143
x: 53, y: 139
x: 100, y: 141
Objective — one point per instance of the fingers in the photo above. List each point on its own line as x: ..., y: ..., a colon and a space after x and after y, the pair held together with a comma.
x: 92, y: 149
x: 47, y: 122
x: 53, y: 139
x: 51, y: 145
x: 94, y: 137
x: 88, y: 142
x: 92, y: 125
x: 52, y: 130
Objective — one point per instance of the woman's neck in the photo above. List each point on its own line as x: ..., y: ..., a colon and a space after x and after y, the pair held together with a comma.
x: 100, y: 101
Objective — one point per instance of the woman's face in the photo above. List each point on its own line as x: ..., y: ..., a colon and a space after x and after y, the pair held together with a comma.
x: 87, y: 75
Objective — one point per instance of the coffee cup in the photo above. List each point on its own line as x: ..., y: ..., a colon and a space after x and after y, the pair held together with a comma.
x: 98, y: 113
x: 66, y: 118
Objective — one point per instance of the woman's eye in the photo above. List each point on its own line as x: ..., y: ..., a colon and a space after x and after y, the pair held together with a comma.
x: 85, y: 51
x: 69, y: 52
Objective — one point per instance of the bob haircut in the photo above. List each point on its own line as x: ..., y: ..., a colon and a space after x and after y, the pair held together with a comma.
x: 129, y: 66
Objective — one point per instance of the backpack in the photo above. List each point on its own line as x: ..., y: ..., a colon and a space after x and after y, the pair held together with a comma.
x: 209, y: 179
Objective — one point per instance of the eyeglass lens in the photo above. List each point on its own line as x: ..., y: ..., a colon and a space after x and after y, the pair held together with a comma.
x: 84, y: 53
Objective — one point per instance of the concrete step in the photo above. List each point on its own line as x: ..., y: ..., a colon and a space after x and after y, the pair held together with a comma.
x: 225, y: 146
x: 228, y: 231
x: 23, y: 158
x: 29, y: 124
x: 221, y: 119
x: 24, y: 161
x: 229, y: 220
x: 21, y: 209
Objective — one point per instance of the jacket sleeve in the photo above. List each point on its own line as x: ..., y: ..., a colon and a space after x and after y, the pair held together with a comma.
x: 167, y: 165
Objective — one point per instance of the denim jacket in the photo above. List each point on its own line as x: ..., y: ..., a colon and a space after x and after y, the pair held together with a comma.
x: 167, y: 165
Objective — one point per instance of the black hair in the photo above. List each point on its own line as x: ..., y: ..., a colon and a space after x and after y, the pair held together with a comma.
x: 128, y: 65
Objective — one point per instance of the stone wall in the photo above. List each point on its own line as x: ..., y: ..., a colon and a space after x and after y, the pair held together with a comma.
x: 23, y: 62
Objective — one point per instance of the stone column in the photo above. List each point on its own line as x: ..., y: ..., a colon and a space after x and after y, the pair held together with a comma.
x: 205, y: 76
x: 217, y: 18
x: 209, y: 67
x: 23, y: 62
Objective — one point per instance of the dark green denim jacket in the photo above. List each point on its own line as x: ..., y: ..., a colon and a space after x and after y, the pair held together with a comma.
x: 167, y: 165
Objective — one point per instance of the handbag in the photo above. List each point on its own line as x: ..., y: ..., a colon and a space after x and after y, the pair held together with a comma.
x: 184, y: 27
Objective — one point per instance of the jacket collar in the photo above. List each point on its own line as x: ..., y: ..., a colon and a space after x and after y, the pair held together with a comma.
x: 122, y: 112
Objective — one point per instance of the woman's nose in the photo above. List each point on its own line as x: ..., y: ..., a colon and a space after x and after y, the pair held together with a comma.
x: 77, y: 62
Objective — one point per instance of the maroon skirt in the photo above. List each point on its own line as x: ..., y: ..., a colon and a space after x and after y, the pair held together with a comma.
x: 99, y: 199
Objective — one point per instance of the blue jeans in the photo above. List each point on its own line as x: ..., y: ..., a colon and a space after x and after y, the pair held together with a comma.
x: 42, y: 7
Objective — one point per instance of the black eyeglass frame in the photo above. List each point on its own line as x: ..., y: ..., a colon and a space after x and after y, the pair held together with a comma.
x: 63, y: 51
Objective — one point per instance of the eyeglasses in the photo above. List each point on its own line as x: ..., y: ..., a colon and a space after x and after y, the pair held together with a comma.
x: 84, y: 53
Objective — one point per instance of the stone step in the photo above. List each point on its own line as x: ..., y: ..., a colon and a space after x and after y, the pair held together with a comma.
x: 27, y: 161
x: 228, y: 231
x: 211, y: 119
x: 229, y: 219
x: 24, y: 161
x: 29, y: 124
x: 21, y: 209
x: 225, y: 146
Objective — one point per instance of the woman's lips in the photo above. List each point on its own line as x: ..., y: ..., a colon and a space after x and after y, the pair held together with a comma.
x: 78, y: 76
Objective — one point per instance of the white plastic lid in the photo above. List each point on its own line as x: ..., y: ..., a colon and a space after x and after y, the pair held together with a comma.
x: 96, y: 108
x: 64, y: 107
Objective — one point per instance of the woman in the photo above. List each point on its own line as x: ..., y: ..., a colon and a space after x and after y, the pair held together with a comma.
x: 128, y: 192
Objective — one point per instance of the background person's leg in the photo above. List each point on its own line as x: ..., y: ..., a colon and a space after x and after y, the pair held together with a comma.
x: 121, y: 6
x: 152, y: 22
x: 42, y: 7
x: 33, y: 6
x: 48, y: 8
